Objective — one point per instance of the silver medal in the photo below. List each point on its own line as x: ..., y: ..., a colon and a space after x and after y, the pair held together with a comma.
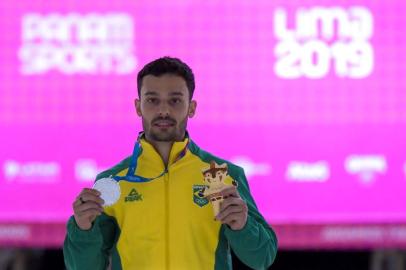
x: 109, y: 189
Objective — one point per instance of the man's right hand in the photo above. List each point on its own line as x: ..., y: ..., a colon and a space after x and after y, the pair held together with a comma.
x: 86, y: 207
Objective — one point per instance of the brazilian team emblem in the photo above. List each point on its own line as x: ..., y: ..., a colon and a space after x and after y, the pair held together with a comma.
x: 197, y: 195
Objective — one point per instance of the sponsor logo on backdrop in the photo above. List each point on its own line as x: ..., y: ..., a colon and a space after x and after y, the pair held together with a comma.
x: 252, y: 168
x: 76, y: 43
x: 404, y: 168
x: 312, y: 42
x: 299, y: 171
x: 363, y: 233
x: 345, y: 233
x: 86, y: 170
x: 35, y: 171
x: 366, y: 167
x: 15, y: 232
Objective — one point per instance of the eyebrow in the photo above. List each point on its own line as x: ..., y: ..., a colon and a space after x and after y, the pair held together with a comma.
x: 176, y: 94
x: 153, y: 93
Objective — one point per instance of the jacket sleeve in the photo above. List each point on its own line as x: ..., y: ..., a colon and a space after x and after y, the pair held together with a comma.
x: 255, y: 244
x: 90, y: 249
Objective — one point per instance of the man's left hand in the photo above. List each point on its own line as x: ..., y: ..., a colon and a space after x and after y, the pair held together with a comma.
x: 233, y: 209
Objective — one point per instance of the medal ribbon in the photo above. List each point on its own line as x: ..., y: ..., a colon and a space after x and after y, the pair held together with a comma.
x: 132, y: 177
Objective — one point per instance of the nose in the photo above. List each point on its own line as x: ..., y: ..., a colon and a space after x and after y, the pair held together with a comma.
x: 163, y: 109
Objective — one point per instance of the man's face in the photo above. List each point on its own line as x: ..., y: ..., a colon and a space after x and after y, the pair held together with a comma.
x: 164, y: 107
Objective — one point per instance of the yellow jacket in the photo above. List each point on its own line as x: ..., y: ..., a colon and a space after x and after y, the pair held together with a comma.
x: 163, y: 223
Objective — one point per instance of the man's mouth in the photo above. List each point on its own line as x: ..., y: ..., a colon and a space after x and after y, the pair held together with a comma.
x: 163, y: 123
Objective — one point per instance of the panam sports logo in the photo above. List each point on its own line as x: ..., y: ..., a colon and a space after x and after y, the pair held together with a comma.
x: 77, y: 43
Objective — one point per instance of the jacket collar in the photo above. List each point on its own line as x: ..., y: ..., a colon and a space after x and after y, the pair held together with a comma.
x: 150, y: 153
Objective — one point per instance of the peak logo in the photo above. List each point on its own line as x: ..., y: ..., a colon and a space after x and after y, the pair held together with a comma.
x: 324, y: 39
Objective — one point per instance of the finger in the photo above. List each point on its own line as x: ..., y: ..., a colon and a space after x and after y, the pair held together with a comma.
x: 81, y: 212
x: 231, y: 219
x: 231, y: 201
x: 87, y: 194
x: 230, y: 191
x: 86, y: 197
x: 91, y: 191
x: 76, y: 203
x: 229, y: 211
x: 88, y: 205
x: 90, y: 212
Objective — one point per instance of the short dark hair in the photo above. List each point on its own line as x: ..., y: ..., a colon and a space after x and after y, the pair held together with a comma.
x: 168, y: 65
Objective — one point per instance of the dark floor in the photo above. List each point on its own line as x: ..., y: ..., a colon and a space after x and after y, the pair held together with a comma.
x: 286, y: 260
x: 317, y: 260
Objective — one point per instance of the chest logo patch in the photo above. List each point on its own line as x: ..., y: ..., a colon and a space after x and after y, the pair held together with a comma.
x: 133, y: 196
x: 198, y: 197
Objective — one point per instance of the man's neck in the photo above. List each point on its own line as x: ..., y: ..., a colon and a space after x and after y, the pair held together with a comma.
x: 162, y: 147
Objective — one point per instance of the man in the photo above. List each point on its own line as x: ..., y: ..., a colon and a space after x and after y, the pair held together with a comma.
x: 160, y: 221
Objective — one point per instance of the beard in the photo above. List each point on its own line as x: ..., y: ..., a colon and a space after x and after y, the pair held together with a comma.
x: 170, y: 134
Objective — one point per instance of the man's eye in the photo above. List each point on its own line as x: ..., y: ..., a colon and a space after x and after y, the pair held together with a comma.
x: 176, y: 100
x: 152, y: 100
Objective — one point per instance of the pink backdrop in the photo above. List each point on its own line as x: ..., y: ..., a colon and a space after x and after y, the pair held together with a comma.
x: 313, y: 108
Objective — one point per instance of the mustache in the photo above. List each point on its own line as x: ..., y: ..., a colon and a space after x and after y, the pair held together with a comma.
x: 171, y: 120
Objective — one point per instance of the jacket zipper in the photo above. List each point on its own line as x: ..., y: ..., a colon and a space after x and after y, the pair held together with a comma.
x: 166, y: 178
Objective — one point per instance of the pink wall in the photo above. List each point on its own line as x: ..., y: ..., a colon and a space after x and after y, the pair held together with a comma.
x: 315, y: 112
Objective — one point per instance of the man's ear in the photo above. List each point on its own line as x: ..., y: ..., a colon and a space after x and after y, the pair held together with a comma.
x: 192, y: 108
x: 137, y: 104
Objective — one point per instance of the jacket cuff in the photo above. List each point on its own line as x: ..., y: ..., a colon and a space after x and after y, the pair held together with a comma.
x: 245, y: 234
x: 88, y: 236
